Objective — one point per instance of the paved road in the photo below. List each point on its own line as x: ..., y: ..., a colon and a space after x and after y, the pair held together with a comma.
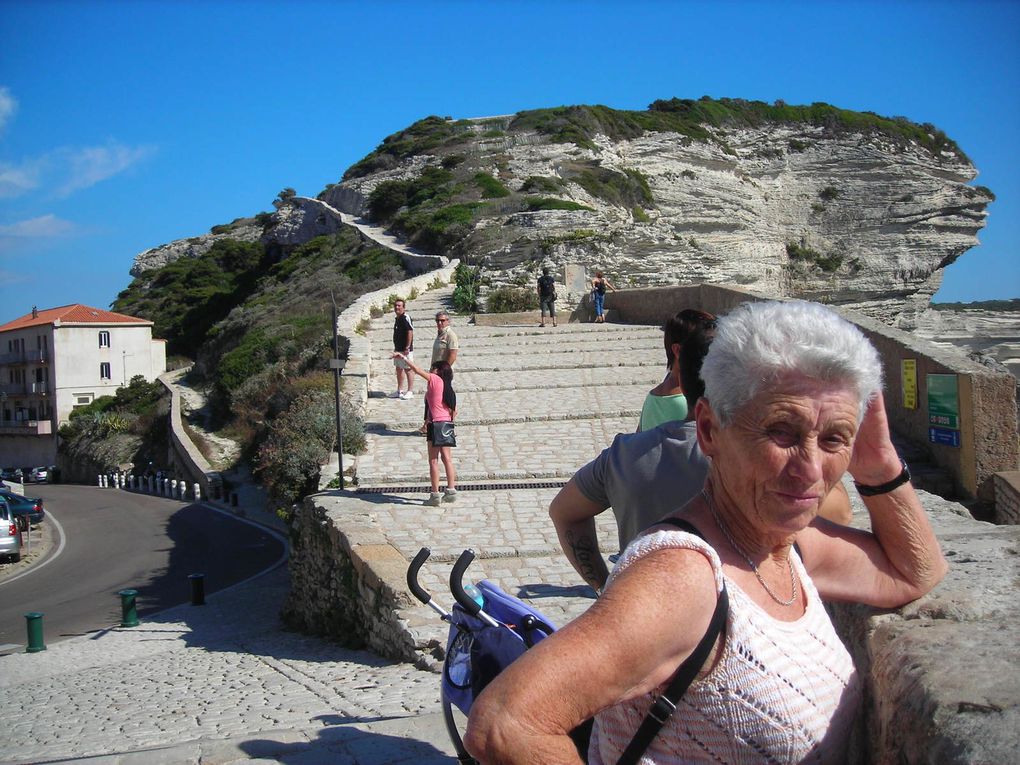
x: 116, y: 540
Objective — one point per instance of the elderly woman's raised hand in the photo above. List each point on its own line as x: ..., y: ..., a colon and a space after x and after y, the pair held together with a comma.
x: 874, y: 460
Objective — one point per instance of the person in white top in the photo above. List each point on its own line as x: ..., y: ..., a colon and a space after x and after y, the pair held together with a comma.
x: 792, y: 401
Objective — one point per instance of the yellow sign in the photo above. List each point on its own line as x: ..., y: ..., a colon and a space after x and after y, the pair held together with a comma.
x: 908, y: 375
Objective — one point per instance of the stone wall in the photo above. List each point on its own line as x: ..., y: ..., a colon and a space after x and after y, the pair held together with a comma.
x: 940, y: 673
x: 1007, y: 497
x: 988, y: 402
x: 185, y: 455
x: 347, y: 583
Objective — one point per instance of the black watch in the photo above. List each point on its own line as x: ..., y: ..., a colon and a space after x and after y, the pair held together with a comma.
x: 885, y: 488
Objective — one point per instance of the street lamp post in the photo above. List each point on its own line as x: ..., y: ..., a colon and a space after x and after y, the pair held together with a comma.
x: 337, y: 364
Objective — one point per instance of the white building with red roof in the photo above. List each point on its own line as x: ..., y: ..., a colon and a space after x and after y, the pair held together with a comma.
x: 54, y: 360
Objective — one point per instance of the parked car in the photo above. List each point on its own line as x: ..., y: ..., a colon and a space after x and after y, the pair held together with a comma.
x: 11, y: 474
x: 29, y: 508
x: 38, y: 474
x: 10, y: 535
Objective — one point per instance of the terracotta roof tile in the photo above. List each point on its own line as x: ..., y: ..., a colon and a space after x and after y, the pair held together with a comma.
x: 72, y: 314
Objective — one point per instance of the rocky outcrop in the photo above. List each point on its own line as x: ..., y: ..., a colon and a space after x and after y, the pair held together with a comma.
x: 245, y: 230
x: 296, y: 220
x: 299, y: 219
x: 983, y: 333
x: 860, y: 219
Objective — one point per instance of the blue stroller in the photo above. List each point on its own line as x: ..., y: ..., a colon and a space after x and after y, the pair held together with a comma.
x: 489, y: 629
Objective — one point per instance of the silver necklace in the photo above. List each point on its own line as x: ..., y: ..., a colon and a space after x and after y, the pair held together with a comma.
x: 747, y: 558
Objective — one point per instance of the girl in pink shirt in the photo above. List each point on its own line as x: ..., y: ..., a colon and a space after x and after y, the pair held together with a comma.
x: 441, y: 402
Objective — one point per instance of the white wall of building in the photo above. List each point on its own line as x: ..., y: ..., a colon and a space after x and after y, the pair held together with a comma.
x: 78, y: 358
x: 72, y: 375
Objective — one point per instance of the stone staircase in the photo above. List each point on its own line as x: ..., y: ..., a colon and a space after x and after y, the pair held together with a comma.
x: 534, y: 404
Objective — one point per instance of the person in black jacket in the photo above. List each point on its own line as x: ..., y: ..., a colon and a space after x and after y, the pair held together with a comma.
x: 403, y: 343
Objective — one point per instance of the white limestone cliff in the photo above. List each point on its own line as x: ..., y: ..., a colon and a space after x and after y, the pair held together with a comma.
x: 877, y: 221
x: 856, y: 219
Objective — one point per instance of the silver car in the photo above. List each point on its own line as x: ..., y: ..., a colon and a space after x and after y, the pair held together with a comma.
x: 10, y: 537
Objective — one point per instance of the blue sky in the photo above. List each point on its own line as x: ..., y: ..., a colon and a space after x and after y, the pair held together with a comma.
x: 127, y: 125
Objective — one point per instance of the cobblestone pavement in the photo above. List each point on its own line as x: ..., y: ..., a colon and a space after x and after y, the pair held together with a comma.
x: 225, y: 683
x: 222, y: 683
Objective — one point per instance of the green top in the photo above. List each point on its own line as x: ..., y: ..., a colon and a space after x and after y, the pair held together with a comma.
x: 659, y: 409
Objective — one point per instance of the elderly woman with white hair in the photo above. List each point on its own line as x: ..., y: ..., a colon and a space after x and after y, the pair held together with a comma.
x: 792, y: 402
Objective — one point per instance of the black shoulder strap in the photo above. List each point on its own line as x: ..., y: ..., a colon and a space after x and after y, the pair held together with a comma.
x: 664, y: 706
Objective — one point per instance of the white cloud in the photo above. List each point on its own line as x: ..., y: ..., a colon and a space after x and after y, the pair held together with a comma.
x: 16, y: 180
x: 87, y: 167
x: 45, y: 226
x: 66, y: 170
x: 8, y: 106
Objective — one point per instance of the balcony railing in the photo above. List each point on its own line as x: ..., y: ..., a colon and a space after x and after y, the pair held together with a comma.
x: 26, y: 428
x: 24, y: 357
x: 25, y: 389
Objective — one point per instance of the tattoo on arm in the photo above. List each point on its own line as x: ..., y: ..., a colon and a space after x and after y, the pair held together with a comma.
x: 586, y: 553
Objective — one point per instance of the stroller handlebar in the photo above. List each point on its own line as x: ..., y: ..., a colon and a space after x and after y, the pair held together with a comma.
x: 416, y: 589
x: 457, y: 583
x: 412, y: 575
x: 457, y: 588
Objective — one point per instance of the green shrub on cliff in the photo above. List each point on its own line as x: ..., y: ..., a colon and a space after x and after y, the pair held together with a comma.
x: 129, y: 426
x: 465, y: 294
x: 534, y: 204
x: 798, y: 251
x: 510, y: 300
x: 423, y: 136
x: 625, y: 189
x: 187, y: 297
x: 300, y: 439
x: 580, y: 124
x: 491, y: 188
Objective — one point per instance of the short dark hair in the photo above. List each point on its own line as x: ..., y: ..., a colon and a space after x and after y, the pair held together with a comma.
x: 681, y: 326
x: 545, y: 272
x: 693, y: 352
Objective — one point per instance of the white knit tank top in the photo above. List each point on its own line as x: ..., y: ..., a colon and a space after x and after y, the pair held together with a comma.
x: 781, y: 692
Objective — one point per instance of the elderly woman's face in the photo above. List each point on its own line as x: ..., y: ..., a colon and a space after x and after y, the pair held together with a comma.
x: 784, y: 451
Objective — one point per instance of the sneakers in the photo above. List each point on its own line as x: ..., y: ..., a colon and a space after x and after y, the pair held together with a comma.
x: 394, y: 394
x: 450, y: 495
x: 434, y: 499
x: 406, y: 395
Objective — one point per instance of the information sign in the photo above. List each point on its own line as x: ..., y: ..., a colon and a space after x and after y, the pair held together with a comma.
x: 908, y: 376
x: 944, y: 436
x: 943, y: 401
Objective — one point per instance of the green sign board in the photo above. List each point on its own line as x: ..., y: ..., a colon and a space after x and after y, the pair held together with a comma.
x: 943, y: 401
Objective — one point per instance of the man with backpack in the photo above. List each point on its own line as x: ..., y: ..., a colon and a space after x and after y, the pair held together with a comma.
x: 547, y: 296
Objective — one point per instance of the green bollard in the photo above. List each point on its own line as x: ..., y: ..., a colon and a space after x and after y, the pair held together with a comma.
x: 197, y: 589
x: 128, y: 609
x: 33, y: 620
